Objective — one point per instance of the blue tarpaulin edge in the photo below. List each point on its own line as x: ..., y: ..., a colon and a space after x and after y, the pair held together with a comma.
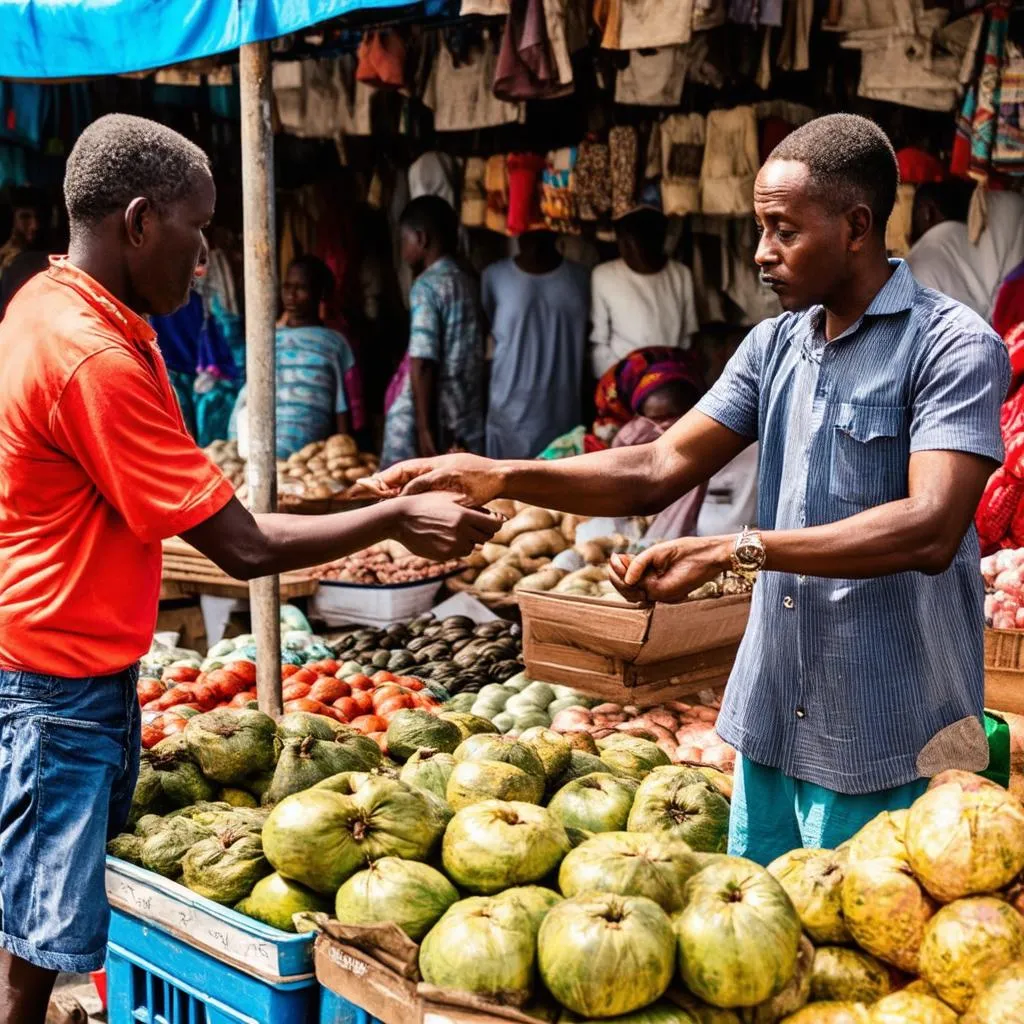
x: 42, y: 39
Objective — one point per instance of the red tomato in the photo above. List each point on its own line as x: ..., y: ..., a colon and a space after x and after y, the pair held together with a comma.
x: 326, y: 667
x: 149, y: 689
x: 181, y: 674
x: 222, y: 683
x: 347, y: 708
x: 360, y: 682
x: 387, y: 708
x: 364, y: 700
x: 369, y: 723
x: 295, y: 691
x: 381, y: 739
x: 305, y: 675
x: 151, y: 735
x: 206, y: 695
x: 328, y: 689
x: 178, y: 695
x: 411, y: 682
x: 304, y: 704
x: 173, y: 725
x: 383, y: 677
x: 386, y: 691
x: 287, y: 671
x: 245, y: 670
x: 239, y: 700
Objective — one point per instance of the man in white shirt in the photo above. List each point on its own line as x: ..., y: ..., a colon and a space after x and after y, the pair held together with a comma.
x: 643, y: 299
x: 943, y: 256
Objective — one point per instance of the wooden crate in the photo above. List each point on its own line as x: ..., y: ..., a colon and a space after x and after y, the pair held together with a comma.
x: 1004, y: 670
x: 628, y: 653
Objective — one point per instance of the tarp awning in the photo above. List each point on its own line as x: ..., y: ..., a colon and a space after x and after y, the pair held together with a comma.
x: 79, y: 38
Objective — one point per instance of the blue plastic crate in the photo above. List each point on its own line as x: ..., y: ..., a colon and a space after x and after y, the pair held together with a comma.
x: 336, y: 1010
x: 154, y: 978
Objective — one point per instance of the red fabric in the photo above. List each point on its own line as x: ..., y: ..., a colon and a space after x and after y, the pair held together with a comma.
x: 1009, y: 307
x: 524, y: 171
x: 918, y: 167
x: 1000, y: 515
x: 381, y: 60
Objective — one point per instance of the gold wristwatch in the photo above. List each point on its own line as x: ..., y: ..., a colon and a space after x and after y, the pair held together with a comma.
x: 748, y: 554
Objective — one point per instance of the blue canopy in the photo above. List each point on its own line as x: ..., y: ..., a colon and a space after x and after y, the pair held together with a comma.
x: 78, y: 38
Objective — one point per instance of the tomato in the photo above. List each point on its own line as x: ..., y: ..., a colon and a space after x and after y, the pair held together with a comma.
x: 360, y: 682
x: 327, y: 667
x: 240, y: 700
x: 181, y: 674
x: 426, y: 700
x: 178, y: 695
x: 411, y: 682
x: 381, y: 739
x: 223, y: 683
x: 383, y: 677
x: 369, y: 723
x: 387, y: 708
x: 347, y: 708
x: 151, y: 735
x: 364, y: 701
x: 328, y: 689
x: 295, y: 691
x: 386, y: 691
x: 173, y: 725
x: 287, y: 671
x: 207, y: 695
x: 245, y: 670
x: 304, y: 704
x: 149, y: 689
x: 305, y: 675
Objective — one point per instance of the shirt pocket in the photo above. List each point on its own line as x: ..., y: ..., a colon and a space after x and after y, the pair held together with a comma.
x: 869, y: 455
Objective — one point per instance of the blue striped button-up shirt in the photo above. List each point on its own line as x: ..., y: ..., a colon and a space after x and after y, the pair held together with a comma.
x: 845, y: 683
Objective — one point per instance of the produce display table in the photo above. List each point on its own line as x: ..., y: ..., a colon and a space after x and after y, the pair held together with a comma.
x: 1004, y: 670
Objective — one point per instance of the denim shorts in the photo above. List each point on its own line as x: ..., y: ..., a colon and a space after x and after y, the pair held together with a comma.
x: 69, y: 760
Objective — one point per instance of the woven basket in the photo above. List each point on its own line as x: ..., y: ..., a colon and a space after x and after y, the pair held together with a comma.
x: 1004, y: 670
x: 1004, y: 649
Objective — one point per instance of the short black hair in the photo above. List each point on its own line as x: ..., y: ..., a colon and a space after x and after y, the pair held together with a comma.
x: 648, y: 228
x: 850, y: 160
x: 119, y: 158
x: 952, y: 198
x: 435, y: 217
x: 318, y: 274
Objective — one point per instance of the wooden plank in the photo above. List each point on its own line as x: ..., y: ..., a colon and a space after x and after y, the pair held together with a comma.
x: 1004, y: 690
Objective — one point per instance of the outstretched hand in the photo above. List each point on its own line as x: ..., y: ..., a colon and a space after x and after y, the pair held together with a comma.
x: 473, y: 479
x: 442, y: 526
x: 669, y: 571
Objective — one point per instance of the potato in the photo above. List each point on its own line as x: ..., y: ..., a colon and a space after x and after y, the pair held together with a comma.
x: 343, y: 462
x: 539, y: 542
x: 494, y: 552
x: 358, y: 473
x: 524, y: 522
x: 498, y: 577
x: 341, y: 444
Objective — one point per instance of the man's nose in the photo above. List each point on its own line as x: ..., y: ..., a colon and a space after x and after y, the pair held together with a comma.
x: 765, y: 254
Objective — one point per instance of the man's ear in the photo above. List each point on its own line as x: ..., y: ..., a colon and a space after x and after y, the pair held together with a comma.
x: 861, y: 222
x: 136, y: 215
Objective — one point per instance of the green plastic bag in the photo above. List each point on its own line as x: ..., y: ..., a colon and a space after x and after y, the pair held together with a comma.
x: 998, y: 733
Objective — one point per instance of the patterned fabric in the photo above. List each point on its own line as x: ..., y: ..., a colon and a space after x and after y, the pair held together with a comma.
x: 593, y: 180
x: 629, y: 383
x: 311, y: 367
x: 1000, y: 516
x: 622, y: 147
x: 842, y: 682
x: 444, y: 328
x: 558, y: 203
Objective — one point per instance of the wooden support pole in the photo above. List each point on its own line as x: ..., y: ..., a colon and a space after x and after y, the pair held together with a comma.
x: 260, y: 310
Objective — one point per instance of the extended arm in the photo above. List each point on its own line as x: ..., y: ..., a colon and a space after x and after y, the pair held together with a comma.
x: 423, y: 374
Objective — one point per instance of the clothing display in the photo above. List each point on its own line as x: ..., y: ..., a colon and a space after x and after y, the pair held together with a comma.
x: 382, y: 60
x: 434, y: 174
x: 622, y: 155
x: 496, y: 188
x: 526, y: 69
x: 474, y: 193
x: 460, y: 95
x: 682, y: 154
x: 653, y: 78
x: 524, y: 171
x: 731, y: 162
x: 898, y: 227
x: 630, y: 311
x: 593, y: 180
x: 794, y: 47
x: 539, y: 325
x: 643, y: 24
x: 558, y: 199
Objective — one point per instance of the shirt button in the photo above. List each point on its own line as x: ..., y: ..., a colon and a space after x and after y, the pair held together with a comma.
x: 801, y: 713
x: 787, y: 602
x: 801, y: 579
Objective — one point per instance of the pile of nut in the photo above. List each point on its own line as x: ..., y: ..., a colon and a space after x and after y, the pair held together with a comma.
x: 383, y: 564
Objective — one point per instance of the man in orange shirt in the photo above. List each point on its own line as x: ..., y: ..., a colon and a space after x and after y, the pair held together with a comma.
x: 95, y: 469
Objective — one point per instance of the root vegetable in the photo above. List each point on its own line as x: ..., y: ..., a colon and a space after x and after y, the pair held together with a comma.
x: 574, y: 719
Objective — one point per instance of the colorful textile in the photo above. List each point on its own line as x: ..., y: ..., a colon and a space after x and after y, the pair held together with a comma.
x: 1000, y: 515
x: 558, y: 202
x: 311, y: 367
x: 593, y: 180
x: 1009, y: 306
x: 85, y: 394
x: 444, y: 329
x: 838, y: 424
x: 524, y: 171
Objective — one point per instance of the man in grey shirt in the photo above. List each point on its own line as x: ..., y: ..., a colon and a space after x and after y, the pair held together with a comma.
x: 538, y: 306
x: 876, y: 403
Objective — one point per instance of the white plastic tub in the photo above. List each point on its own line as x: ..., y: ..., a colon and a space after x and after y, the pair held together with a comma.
x: 356, y: 604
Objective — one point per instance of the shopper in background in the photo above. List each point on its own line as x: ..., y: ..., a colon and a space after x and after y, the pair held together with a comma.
x: 95, y: 469
x: 24, y: 228
x: 435, y: 402
x: 945, y: 258
x: 876, y: 402
x: 19, y: 272
x: 538, y: 308
x: 643, y: 299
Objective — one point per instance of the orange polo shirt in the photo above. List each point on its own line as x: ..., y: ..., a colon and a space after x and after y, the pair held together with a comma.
x: 96, y: 467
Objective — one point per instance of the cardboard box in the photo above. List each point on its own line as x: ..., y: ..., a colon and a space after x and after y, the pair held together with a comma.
x: 365, y: 982
x: 632, y: 654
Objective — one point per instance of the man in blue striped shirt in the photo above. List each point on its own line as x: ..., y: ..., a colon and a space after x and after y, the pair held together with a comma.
x: 876, y: 404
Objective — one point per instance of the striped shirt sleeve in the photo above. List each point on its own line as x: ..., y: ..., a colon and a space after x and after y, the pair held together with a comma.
x: 958, y: 397
x: 734, y: 399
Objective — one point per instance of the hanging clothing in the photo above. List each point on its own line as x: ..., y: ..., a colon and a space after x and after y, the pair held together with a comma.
x: 558, y: 200
x: 434, y: 174
x: 382, y: 60
x: 567, y: 29
x: 682, y: 154
x: 593, y: 180
x: 539, y: 326
x: 945, y: 259
x: 524, y: 171
x: 461, y: 96
x: 731, y: 162
x: 898, y: 227
x: 643, y: 24
x: 1009, y: 305
x: 631, y: 311
x: 525, y: 68
x: 474, y: 193
x: 622, y: 154
x: 794, y: 47
x: 496, y: 185
x: 444, y: 329
x: 755, y: 12
x: 653, y: 78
